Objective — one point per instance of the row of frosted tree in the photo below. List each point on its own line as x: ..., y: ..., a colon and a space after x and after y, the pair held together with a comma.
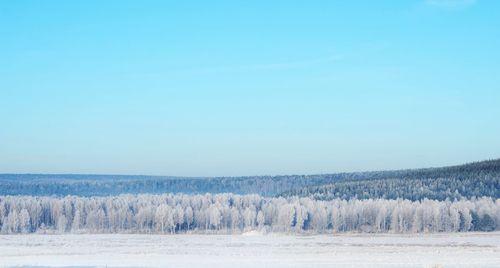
x: 230, y: 213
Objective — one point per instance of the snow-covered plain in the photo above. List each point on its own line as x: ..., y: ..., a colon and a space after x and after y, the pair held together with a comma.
x: 251, y: 250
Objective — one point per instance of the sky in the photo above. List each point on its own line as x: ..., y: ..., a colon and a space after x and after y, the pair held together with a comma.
x: 230, y: 88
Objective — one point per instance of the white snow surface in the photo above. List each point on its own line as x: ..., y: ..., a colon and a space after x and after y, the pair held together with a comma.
x: 251, y: 250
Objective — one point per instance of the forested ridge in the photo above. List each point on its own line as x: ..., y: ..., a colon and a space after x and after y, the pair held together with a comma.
x: 464, y: 181
x: 469, y: 180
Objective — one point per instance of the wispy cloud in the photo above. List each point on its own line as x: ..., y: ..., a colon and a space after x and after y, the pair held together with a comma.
x: 450, y: 4
x: 276, y: 66
x: 288, y: 65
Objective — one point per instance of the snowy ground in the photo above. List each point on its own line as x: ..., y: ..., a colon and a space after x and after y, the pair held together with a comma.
x: 252, y: 250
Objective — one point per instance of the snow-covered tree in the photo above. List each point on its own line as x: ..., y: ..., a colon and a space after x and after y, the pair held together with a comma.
x: 169, y: 213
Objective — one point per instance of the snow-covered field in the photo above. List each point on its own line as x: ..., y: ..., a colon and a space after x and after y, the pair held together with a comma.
x: 252, y: 250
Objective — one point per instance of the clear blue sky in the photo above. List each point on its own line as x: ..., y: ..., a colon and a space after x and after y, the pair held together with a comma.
x: 265, y: 87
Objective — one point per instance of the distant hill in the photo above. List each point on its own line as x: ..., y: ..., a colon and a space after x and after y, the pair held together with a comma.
x: 474, y: 179
x: 454, y: 182
x: 102, y: 185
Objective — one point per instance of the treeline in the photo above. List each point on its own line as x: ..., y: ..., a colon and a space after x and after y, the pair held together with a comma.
x: 464, y: 181
x: 229, y: 213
